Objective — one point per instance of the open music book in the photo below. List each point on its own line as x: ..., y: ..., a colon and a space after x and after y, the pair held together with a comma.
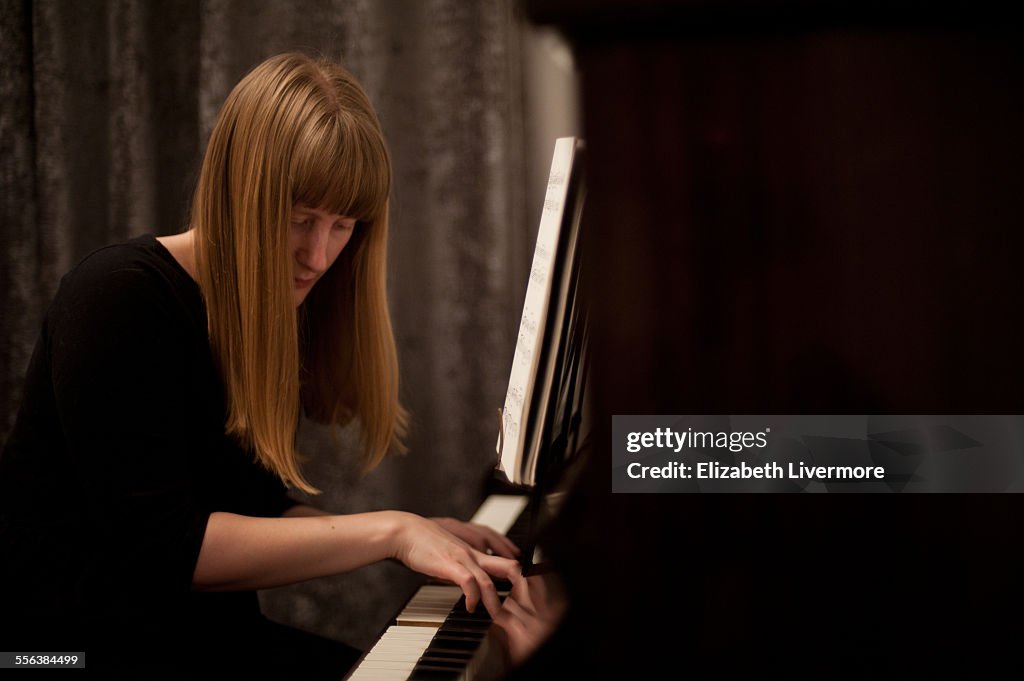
x: 546, y: 362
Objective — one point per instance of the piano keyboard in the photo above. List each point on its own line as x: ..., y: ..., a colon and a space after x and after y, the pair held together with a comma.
x: 437, y: 611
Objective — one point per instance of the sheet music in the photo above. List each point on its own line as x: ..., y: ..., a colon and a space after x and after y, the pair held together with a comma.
x: 531, y: 328
x: 556, y: 339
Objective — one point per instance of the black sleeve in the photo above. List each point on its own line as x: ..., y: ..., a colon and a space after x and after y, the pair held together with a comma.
x: 274, y: 499
x: 118, y: 369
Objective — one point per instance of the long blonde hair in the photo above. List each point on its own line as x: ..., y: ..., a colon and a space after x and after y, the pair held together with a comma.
x: 297, y: 130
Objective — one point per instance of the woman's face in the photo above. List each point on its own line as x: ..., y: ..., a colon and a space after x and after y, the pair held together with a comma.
x: 317, y: 239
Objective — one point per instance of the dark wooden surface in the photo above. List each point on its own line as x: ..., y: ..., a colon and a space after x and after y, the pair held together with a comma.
x: 799, y: 211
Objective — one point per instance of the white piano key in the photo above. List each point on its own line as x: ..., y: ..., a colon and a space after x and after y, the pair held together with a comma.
x: 499, y: 511
x: 391, y: 664
x: 394, y: 656
x: 373, y: 674
x: 429, y: 606
x: 370, y: 674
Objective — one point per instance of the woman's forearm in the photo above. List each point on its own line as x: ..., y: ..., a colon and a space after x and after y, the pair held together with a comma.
x: 240, y: 552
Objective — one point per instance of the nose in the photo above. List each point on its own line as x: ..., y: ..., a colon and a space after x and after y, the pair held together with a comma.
x: 312, y: 251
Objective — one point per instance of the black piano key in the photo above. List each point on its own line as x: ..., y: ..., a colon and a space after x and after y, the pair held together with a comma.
x: 457, y: 631
x: 433, y: 674
x: 459, y: 610
x: 475, y: 623
x: 480, y: 615
x: 440, y: 663
x: 469, y: 624
x: 460, y: 656
x: 462, y: 644
x: 454, y: 632
x: 465, y: 626
x: 459, y: 644
x: 446, y: 649
x: 447, y: 654
x: 437, y: 662
x: 444, y: 653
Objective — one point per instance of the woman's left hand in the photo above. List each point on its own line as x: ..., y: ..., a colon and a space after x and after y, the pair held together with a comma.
x: 480, y: 537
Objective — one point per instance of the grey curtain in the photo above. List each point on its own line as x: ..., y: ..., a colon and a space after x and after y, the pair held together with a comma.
x: 106, y: 107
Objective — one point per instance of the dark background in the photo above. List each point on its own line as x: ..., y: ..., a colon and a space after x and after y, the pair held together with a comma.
x: 796, y: 207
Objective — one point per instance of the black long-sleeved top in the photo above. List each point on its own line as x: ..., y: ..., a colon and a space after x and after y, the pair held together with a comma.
x: 116, y: 461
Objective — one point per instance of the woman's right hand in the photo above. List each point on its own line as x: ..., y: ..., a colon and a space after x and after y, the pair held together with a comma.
x: 423, y: 545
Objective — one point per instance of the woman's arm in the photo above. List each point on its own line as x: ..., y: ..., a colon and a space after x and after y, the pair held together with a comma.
x: 480, y: 537
x: 240, y: 552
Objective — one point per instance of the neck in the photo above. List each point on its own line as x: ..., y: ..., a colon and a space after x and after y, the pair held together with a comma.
x: 181, y: 246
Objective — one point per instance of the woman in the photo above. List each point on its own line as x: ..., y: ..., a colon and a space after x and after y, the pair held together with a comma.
x: 143, y: 487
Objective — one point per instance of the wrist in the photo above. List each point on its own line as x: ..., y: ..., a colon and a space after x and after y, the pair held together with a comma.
x: 393, y: 528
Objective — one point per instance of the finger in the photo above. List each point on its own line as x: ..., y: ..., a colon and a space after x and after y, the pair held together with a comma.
x: 477, y: 540
x: 469, y: 534
x: 500, y: 544
x: 460, y: 532
x: 520, y: 593
x: 484, y: 538
x: 505, y: 619
x: 508, y: 569
x: 489, y: 595
x: 519, y: 581
x: 516, y: 609
x: 496, y: 539
x: 470, y: 587
x: 488, y: 592
x: 514, y: 627
x: 485, y: 590
x: 501, y: 618
x: 502, y: 568
x: 542, y: 600
x: 510, y: 630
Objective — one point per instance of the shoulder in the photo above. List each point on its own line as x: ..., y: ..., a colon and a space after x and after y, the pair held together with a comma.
x: 133, y: 260
x: 128, y: 281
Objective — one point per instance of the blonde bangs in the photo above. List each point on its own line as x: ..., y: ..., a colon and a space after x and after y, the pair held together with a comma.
x: 341, y: 165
